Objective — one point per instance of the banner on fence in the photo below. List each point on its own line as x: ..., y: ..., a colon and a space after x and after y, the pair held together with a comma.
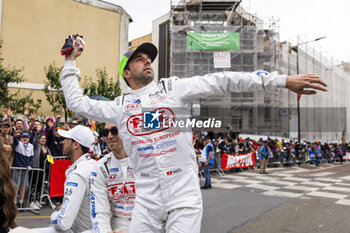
x: 237, y: 161
x: 347, y: 156
x: 310, y: 156
x: 58, y: 177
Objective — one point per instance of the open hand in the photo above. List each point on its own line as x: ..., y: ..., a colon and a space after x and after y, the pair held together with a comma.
x: 310, y: 82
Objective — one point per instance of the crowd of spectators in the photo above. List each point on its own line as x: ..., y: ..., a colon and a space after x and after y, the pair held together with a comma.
x: 27, y: 142
x: 285, y: 152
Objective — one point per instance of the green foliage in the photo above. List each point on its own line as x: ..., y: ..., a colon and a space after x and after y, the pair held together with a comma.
x: 16, y: 101
x: 104, y: 86
x: 53, y: 91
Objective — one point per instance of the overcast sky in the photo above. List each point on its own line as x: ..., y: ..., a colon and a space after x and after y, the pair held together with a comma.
x: 308, y: 19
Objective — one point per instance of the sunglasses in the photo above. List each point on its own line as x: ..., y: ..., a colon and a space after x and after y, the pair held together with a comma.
x: 113, y: 130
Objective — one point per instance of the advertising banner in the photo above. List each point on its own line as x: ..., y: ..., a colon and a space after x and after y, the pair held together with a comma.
x: 347, y: 156
x: 237, y: 161
x: 213, y: 41
x: 310, y: 156
x: 58, y: 177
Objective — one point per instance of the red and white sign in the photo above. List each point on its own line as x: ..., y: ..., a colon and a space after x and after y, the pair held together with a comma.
x: 222, y: 60
x: 347, y: 156
x: 237, y: 161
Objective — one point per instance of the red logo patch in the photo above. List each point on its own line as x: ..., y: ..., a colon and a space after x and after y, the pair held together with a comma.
x: 132, y: 107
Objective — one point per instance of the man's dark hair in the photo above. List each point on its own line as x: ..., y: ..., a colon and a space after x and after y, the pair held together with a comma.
x: 207, y: 138
x: 83, y: 148
x: 18, y: 120
x: 37, y: 121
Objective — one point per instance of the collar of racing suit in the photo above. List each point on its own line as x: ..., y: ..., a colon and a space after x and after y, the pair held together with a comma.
x: 81, y: 158
x: 142, y: 89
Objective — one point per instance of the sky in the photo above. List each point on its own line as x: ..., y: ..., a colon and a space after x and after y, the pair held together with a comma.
x: 308, y: 19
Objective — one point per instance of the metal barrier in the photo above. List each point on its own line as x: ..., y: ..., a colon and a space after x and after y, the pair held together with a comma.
x: 46, y: 182
x: 217, y: 165
x: 28, y: 187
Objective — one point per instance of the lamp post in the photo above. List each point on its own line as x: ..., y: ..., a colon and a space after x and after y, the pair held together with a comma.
x: 295, y: 48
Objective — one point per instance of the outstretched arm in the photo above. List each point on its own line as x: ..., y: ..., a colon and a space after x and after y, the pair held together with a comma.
x: 225, y: 82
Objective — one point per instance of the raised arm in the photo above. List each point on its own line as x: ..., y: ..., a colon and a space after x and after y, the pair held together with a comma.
x: 98, y: 110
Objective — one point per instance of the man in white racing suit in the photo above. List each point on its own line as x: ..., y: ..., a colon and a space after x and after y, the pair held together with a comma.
x: 168, y: 195
x: 74, y: 213
x: 112, y: 187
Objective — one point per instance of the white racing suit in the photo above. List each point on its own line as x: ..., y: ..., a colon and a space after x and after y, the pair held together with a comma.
x: 74, y: 216
x: 168, y: 195
x: 112, y: 190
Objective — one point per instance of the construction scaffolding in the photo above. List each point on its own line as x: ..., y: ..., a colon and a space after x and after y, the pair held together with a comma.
x: 258, y: 48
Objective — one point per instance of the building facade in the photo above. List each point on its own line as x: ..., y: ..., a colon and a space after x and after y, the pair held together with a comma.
x: 33, y: 32
x: 178, y: 34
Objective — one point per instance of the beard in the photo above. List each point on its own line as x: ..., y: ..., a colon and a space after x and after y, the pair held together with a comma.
x: 67, y: 151
x: 143, y: 79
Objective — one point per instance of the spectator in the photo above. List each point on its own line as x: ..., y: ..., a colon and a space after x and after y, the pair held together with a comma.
x: 8, y: 208
x: 57, y: 148
x: 49, y: 131
x: 41, y: 151
x: 24, y: 153
x: 207, y: 161
x: 263, y: 151
x: 7, y: 142
x: 96, y: 148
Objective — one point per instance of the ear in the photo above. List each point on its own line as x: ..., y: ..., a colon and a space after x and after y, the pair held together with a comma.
x: 126, y: 74
x: 76, y: 145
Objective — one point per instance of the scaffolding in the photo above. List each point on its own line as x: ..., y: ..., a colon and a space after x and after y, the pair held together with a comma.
x: 255, y: 112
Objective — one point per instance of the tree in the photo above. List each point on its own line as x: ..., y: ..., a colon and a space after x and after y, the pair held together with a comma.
x: 53, y: 91
x: 104, y: 86
x: 18, y: 101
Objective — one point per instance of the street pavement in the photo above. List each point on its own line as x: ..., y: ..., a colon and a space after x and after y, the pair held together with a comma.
x: 289, y: 199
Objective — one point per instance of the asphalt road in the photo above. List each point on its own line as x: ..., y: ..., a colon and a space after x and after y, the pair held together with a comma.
x: 291, y: 199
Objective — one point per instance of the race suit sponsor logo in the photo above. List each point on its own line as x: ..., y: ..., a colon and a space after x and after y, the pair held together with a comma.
x: 132, y: 107
x: 157, y: 93
x: 156, y: 139
x: 120, y: 191
x: 72, y: 184
x: 95, y: 227
x: 138, y: 101
x: 158, y: 146
x: 159, y: 99
x: 166, y: 144
x: 114, y: 169
x: 171, y: 172
x: 103, y: 172
x: 113, y: 176
x: 135, y: 123
x: 145, y: 148
x: 93, y: 204
x: 156, y: 154
x: 146, y: 141
x: 68, y: 192
x: 94, y: 174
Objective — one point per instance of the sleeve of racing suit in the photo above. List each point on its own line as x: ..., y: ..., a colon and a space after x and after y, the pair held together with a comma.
x: 74, y: 192
x: 99, y: 203
x: 224, y: 82
x: 97, y: 110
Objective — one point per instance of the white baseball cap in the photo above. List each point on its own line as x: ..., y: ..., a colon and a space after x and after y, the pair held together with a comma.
x: 79, y: 133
